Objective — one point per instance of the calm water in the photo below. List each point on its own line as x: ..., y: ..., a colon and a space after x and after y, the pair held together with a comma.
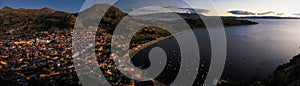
x: 254, y: 51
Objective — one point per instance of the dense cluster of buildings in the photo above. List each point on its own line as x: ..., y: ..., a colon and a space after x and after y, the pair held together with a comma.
x: 45, y: 58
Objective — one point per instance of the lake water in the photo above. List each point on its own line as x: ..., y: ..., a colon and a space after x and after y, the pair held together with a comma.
x: 254, y: 51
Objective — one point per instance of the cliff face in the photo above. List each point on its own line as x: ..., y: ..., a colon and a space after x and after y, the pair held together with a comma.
x: 286, y: 74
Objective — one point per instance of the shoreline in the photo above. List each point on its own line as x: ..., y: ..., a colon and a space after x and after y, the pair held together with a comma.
x: 135, y: 50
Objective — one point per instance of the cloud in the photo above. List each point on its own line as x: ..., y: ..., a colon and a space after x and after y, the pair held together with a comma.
x: 148, y: 10
x: 187, y: 10
x: 201, y: 10
x: 266, y: 13
x: 280, y: 14
x: 240, y: 12
x: 169, y: 9
x: 296, y: 14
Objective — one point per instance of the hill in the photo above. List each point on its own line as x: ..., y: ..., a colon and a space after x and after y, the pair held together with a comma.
x: 46, y: 18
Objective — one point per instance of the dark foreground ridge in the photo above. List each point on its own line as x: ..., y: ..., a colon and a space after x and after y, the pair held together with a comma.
x: 36, y: 46
x: 284, y: 75
x: 287, y: 74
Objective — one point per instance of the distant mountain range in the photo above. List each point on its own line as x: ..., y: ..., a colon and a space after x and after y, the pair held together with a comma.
x: 261, y: 17
x: 47, y: 18
x: 194, y: 15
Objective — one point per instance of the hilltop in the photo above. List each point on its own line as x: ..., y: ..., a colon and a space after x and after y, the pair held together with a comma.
x: 35, y: 18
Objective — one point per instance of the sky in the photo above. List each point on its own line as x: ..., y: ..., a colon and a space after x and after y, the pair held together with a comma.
x: 222, y: 7
x: 288, y: 7
x: 63, y: 5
